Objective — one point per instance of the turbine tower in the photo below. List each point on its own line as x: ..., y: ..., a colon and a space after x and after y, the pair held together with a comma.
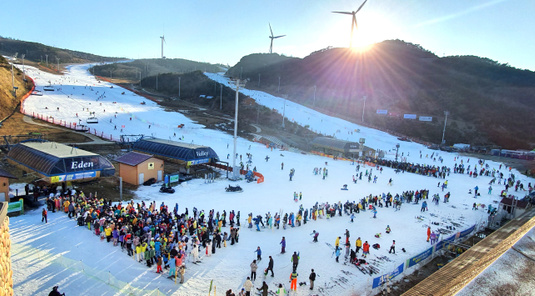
x: 163, y: 40
x: 273, y: 37
x: 353, y: 21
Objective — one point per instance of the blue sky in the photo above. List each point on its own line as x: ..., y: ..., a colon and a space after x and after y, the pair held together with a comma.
x: 224, y: 31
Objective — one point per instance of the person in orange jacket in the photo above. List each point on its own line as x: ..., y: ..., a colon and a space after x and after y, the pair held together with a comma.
x: 365, y: 249
x: 293, y: 280
x: 428, y: 233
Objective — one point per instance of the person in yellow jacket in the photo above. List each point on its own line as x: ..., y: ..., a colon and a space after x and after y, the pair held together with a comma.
x: 358, y: 243
x: 337, y: 242
x: 138, y: 253
x: 66, y: 204
x: 108, y: 232
x: 143, y: 249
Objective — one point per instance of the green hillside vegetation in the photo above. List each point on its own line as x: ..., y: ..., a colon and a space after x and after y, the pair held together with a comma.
x: 149, y: 67
x: 489, y: 103
x: 37, y: 52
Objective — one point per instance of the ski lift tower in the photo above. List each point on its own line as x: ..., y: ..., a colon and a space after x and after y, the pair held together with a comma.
x: 236, y: 169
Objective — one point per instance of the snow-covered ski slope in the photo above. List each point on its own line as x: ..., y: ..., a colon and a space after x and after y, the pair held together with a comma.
x: 62, y: 253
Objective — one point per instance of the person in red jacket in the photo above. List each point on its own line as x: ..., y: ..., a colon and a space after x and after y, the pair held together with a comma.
x: 428, y: 233
x: 366, y: 249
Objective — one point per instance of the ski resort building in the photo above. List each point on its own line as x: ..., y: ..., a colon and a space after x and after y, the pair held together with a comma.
x: 183, y: 153
x: 56, y: 162
x: 4, y: 185
x: 136, y: 168
x: 341, y: 148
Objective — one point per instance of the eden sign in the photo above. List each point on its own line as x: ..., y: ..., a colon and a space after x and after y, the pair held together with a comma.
x: 76, y: 165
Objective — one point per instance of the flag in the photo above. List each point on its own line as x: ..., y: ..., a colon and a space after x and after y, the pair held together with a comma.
x: 210, y: 291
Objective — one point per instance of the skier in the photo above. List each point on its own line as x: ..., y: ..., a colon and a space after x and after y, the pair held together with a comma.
x: 195, y: 253
x: 393, y: 247
x: 248, y: 285
x: 258, y: 252
x: 388, y: 229
x: 295, y: 260
x: 365, y: 249
x: 264, y: 289
x: 283, y: 245
x: 172, y: 267
x: 337, y: 242
x: 293, y: 280
x: 315, y: 235
x: 428, y: 233
x: 254, y: 266
x: 312, y: 278
x: 270, y: 267
x: 337, y: 253
x: 281, y: 291
x: 55, y: 292
x: 182, y: 271
x: 358, y: 244
x: 44, y: 217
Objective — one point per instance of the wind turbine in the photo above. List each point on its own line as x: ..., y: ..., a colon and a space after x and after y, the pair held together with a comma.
x: 273, y: 37
x: 353, y: 22
x: 163, y: 40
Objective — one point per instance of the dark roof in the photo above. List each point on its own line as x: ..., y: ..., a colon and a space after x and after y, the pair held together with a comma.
x: 6, y: 174
x: 133, y: 158
x: 332, y: 143
x: 181, y: 151
x: 522, y: 204
x: 37, y: 158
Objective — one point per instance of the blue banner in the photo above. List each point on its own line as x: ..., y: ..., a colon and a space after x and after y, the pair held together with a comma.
x: 414, y: 260
x: 467, y: 232
x: 378, y: 281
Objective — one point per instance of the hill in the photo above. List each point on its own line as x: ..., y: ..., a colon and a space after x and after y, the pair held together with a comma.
x: 217, y: 99
x: 8, y: 102
x: 135, y: 69
x: 489, y: 103
x: 37, y: 52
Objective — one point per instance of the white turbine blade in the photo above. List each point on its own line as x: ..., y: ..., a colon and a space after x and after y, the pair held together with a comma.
x: 278, y: 36
x: 342, y: 12
x: 361, y: 6
x: 270, y: 30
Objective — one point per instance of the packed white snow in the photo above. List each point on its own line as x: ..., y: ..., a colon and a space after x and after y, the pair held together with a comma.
x: 61, y: 253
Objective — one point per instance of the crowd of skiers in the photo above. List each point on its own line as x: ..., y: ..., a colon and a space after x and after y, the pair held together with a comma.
x: 155, y: 235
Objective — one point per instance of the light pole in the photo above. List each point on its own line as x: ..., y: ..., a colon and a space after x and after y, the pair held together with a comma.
x: 12, y: 76
x: 397, y: 151
x: 446, y: 113
x: 236, y: 170
x: 314, y: 104
x: 279, y: 88
x: 23, y: 73
x: 363, y: 108
x: 220, y: 96
x: 57, y: 60
x: 258, y: 79
x: 46, y: 56
x: 284, y: 109
x: 179, y: 87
